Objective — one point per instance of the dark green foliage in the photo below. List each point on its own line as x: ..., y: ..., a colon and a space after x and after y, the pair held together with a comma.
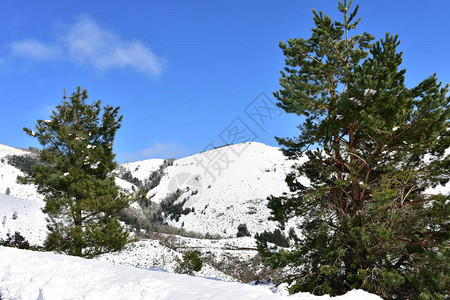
x: 368, y: 221
x: 77, y: 160
x: 242, y: 230
x: 24, y: 163
x: 276, y: 237
x: 15, y: 241
x: 191, y: 262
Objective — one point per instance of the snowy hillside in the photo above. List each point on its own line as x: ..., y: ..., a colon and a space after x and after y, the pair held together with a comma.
x: 141, y: 169
x: 41, y: 275
x: 225, y: 187
x: 8, y: 175
x: 24, y: 216
x: 149, y: 254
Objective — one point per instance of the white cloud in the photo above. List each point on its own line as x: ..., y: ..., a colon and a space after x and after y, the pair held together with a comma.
x: 86, y: 43
x: 34, y: 49
x: 159, y: 150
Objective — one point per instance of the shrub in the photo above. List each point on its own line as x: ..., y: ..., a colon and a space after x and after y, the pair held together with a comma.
x: 191, y: 262
x: 15, y: 241
x: 242, y: 230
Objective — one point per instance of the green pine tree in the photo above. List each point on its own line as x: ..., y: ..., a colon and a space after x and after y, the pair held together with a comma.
x: 374, y: 147
x: 74, y: 174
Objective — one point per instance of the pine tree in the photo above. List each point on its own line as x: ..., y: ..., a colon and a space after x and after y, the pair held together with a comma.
x: 74, y: 175
x: 374, y: 149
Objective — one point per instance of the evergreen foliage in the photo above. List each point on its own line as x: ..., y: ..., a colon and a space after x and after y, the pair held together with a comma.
x: 75, y: 176
x: 374, y: 147
x: 276, y: 237
x: 191, y: 262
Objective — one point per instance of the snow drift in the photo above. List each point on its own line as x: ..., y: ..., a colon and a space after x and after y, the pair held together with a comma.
x: 42, y: 275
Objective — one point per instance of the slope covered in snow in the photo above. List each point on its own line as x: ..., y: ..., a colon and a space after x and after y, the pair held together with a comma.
x: 43, y: 275
x: 24, y: 216
x: 8, y: 175
x: 142, y: 169
x: 225, y: 187
x: 6, y: 150
x: 151, y: 254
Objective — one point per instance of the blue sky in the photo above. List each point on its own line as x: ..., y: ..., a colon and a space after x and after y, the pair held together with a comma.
x: 185, y: 73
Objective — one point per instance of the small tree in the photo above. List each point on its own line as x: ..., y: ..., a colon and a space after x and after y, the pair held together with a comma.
x: 74, y: 175
x: 191, y: 262
x: 8, y: 191
x: 368, y: 222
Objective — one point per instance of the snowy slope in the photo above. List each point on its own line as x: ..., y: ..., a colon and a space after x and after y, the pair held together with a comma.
x: 41, y: 275
x: 142, y: 169
x: 8, y: 175
x: 7, y: 150
x: 151, y: 254
x: 24, y: 216
x: 226, y: 187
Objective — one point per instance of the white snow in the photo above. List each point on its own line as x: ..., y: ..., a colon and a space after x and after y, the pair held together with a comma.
x: 8, y: 175
x: 227, y: 186
x: 151, y: 254
x: 369, y: 92
x: 24, y: 216
x: 42, y: 275
x: 142, y: 169
x: 7, y: 150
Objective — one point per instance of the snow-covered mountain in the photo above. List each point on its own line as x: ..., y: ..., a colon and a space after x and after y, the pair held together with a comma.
x: 224, y: 187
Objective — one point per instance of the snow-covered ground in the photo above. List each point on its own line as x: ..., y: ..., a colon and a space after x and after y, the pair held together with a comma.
x: 8, y: 175
x: 142, y: 169
x: 151, y: 254
x: 48, y: 276
x: 24, y: 216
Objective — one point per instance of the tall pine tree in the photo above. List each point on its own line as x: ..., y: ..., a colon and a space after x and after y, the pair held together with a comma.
x: 74, y: 174
x: 375, y: 147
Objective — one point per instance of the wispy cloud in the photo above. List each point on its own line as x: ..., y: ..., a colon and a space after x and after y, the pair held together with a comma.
x: 86, y: 43
x: 34, y: 49
x: 159, y: 150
